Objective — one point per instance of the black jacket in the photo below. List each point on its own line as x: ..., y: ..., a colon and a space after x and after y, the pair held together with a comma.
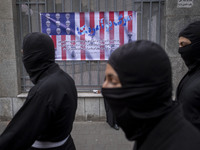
x: 173, y: 132
x: 47, y: 114
x: 188, y: 94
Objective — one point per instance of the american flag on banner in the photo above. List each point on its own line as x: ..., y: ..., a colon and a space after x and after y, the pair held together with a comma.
x: 89, y: 35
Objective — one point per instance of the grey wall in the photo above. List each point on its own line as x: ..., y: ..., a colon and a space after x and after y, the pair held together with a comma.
x: 176, y: 20
x: 8, y: 63
x: 9, y: 75
x: 90, y: 106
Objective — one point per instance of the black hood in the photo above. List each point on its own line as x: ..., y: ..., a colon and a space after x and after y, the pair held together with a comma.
x: 144, y: 71
x: 192, y: 32
x: 191, y: 52
x: 38, y: 54
x: 141, y: 63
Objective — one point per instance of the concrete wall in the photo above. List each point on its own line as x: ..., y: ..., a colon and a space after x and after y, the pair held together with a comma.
x: 8, y: 63
x: 176, y: 20
x: 90, y: 106
x: 9, y: 85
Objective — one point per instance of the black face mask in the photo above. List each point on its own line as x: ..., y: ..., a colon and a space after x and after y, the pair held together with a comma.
x: 191, y: 54
x: 144, y: 71
x: 138, y: 109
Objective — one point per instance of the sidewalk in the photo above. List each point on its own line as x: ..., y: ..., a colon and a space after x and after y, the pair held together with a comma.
x: 99, y: 136
x: 95, y: 136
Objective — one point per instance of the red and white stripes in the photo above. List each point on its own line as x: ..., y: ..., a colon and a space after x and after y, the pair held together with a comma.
x: 97, y: 34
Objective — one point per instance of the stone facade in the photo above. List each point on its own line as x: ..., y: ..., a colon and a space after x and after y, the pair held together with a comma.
x: 8, y: 62
x: 90, y: 107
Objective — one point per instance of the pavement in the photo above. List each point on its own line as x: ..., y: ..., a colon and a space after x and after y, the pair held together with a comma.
x: 88, y: 135
x: 99, y: 136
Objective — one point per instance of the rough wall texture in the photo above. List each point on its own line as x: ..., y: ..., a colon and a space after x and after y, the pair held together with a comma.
x: 90, y: 107
x: 8, y: 63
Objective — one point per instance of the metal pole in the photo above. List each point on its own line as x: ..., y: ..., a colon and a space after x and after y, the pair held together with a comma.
x: 141, y: 17
x: 106, y: 5
x: 45, y: 5
x: 21, y: 36
x: 159, y: 22
x: 81, y: 73
x: 73, y: 69
x: 21, y: 24
x: 29, y: 18
x: 80, y: 5
x: 88, y: 5
x: 73, y: 63
x: 97, y: 5
x: 54, y: 6
x: 98, y: 76
x: 89, y: 72
x: 150, y: 17
x: 71, y: 5
x: 63, y: 5
x: 38, y: 15
x: 124, y: 5
x: 115, y: 5
x: 133, y: 5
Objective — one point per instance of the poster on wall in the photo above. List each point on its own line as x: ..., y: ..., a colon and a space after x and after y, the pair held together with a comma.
x: 89, y: 35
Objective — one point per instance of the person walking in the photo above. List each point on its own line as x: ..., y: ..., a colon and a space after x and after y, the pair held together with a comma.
x: 46, y: 118
x: 188, y: 91
x: 138, y: 89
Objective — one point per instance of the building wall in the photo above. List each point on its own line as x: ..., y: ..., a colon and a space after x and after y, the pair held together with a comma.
x: 8, y: 64
x: 9, y: 85
x: 90, y: 106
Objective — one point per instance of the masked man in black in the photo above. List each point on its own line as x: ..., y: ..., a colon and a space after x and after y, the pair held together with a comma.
x: 46, y: 118
x: 138, y: 88
x: 188, y: 92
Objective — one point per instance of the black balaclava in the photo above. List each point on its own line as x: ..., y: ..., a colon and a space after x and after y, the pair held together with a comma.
x: 38, y: 54
x: 191, y: 52
x: 144, y: 71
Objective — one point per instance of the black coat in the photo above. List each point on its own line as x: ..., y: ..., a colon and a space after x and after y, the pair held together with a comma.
x: 173, y: 132
x: 47, y: 114
x: 188, y: 94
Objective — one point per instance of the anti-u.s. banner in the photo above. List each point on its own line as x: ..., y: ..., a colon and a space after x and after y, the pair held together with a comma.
x: 89, y: 35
